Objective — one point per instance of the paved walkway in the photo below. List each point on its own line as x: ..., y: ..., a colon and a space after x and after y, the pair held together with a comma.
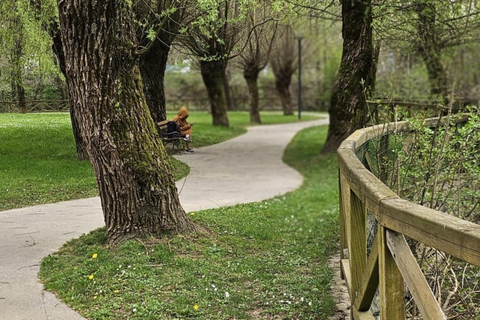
x: 245, y: 169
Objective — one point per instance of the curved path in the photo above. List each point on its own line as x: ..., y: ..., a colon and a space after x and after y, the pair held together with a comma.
x: 245, y: 169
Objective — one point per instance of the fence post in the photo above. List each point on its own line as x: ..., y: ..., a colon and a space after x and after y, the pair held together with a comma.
x: 392, y: 287
x: 342, y: 216
x: 358, y: 243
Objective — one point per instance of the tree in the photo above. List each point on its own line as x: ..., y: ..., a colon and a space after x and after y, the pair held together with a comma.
x: 215, y: 38
x: 284, y: 63
x: 348, y: 105
x: 137, y: 190
x: 254, y: 57
x: 13, y: 39
x: 427, y: 28
x: 160, y: 22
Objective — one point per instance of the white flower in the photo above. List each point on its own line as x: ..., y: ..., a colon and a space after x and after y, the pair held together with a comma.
x: 227, y: 294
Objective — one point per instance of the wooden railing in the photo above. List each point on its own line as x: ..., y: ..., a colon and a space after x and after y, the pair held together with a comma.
x: 389, y: 265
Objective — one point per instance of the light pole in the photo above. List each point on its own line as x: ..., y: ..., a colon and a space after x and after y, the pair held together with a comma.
x: 299, y: 77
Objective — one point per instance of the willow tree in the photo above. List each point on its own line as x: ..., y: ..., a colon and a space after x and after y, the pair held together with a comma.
x: 214, y: 39
x: 254, y: 58
x: 284, y: 62
x: 24, y: 42
x: 429, y: 29
x: 137, y: 190
x: 348, y: 105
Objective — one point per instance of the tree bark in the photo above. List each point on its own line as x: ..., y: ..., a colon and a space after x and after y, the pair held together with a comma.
x: 18, y: 89
x: 152, y: 68
x: 430, y: 49
x: 137, y: 190
x: 282, y: 84
x: 348, y: 105
x: 231, y: 106
x: 212, y: 75
x: 251, y: 77
x: 57, y: 48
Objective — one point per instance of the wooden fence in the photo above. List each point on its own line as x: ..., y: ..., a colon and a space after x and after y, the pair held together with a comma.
x: 36, y: 106
x: 389, y: 265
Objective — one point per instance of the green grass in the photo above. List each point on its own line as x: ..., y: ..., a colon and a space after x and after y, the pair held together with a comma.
x: 38, y: 163
x: 265, y: 260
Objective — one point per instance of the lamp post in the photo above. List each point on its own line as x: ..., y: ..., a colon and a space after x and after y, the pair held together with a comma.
x: 299, y: 77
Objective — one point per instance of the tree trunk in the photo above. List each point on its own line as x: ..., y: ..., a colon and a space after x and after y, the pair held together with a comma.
x: 212, y: 75
x: 283, y: 88
x: 231, y: 106
x: 20, y: 92
x: 348, y: 105
x: 82, y: 154
x: 152, y: 68
x: 137, y: 190
x: 17, y: 79
x: 251, y: 77
x: 430, y: 49
x: 57, y: 48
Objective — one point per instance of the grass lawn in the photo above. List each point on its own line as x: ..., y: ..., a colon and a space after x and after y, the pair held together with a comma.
x: 38, y: 162
x: 265, y: 260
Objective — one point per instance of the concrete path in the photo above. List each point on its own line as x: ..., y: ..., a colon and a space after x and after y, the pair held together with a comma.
x: 245, y: 169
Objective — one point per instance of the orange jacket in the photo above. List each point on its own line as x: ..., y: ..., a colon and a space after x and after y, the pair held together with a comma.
x: 181, y: 119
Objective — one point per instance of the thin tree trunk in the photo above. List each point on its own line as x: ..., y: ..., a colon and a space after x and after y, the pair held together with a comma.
x: 212, y: 75
x: 137, y: 190
x: 17, y: 83
x: 348, y: 105
x: 22, y: 101
x: 252, y: 82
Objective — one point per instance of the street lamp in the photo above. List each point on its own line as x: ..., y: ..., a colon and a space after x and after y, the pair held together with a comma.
x: 299, y: 77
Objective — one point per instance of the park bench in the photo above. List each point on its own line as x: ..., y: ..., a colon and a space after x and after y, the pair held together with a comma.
x: 172, y: 138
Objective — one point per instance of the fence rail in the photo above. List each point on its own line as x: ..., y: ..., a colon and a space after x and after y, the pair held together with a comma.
x: 389, y: 264
x: 35, y: 106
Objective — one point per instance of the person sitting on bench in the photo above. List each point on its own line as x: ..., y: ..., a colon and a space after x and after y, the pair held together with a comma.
x: 185, y: 127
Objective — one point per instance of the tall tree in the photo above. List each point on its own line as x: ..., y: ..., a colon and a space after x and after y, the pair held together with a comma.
x: 254, y: 57
x: 348, y: 105
x: 284, y: 62
x: 137, y: 190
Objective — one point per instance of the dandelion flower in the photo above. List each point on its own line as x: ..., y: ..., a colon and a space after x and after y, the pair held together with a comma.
x: 94, y: 297
x: 90, y: 276
x: 195, y: 307
x: 117, y: 291
x: 94, y: 256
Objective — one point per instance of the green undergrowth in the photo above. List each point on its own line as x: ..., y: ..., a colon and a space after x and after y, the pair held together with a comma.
x: 264, y: 260
x: 38, y: 162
